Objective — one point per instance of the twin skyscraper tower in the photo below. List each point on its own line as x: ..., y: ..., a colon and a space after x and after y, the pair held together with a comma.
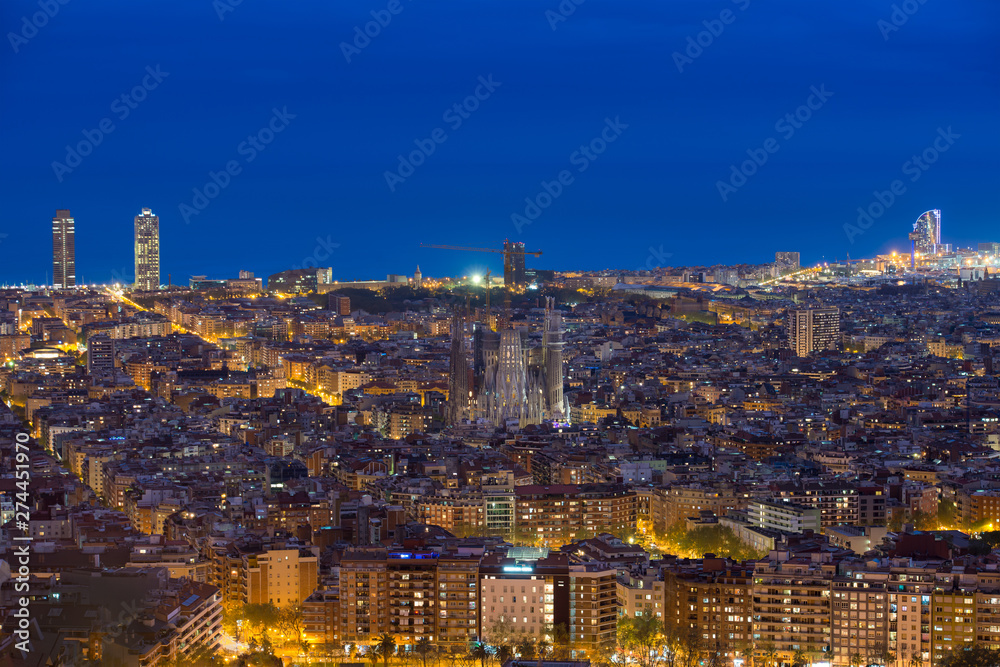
x: 147, y: 250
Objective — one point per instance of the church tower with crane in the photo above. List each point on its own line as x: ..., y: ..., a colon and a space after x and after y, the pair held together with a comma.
x: 515, y: 384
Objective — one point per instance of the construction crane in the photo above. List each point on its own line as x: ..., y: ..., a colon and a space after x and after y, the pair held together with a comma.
x: 514, y: 251
x: 508, y: 254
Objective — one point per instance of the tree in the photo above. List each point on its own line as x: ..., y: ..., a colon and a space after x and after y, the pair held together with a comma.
x: 640, y: 639
x: 879, y: 655
x: 290, y: 621
x: 260, y: 618
x: 542, y: 648
x: 500, y: 633
x: 769, y: 654
x: 503, y: 653
x: 525, y: 648
x: 856, y: 660
x: 975, y: 656
x: 746, y: 650
x: 924, y: 521
x: 799, y: 658
x: 560, y: 641
x: 385, y: 647
x: 480, y: 652
x: 947, y: 513
x: 424, y: 648
x: 691, y: 648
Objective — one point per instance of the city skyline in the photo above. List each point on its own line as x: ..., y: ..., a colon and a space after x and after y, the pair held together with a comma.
x: 568, y: 333
x: 925, y: 238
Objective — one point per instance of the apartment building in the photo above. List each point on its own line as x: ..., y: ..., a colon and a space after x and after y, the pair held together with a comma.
x: 677, y: 503
x: 186, y: 621
x: 282, y: 577
x: 860, y: 620
x: 459, y: 513
x: 410, y: 594
x: 559, y: 512
x: 785, y: 516
x: 321, y: 617
x: 534, y: 590
x: 593, y: 608
x: 457, y: 620
x: 791, y: 602
x: 837, y: 501
x: 364, y: 599
x: 640, y: 594
x: 709, y: 603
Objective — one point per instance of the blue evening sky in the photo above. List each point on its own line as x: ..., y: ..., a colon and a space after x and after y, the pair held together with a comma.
x: 318, y: 192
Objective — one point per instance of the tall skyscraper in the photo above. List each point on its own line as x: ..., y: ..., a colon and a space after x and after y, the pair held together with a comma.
x: 513, y: 264
x: 147, y: 251
x: 63, y: 250
x: 813, y: 329
x: 926, y: 234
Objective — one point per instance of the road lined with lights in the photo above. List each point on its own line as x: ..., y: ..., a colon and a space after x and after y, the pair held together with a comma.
x: 328, y: 399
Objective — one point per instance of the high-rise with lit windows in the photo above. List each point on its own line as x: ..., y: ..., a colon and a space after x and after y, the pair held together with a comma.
x: 813, y: 329
x: 63, y: 250
x: 147, y: 251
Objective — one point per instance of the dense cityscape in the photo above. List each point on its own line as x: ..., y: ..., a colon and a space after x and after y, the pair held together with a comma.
x: 504, y: 333
x: 750, y: 465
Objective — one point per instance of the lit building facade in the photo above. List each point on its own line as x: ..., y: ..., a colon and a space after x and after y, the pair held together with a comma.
x: 513, y: 264
x: 708, y: 603
x: 791, y: 603
x: 813, y: 329
x: 926, y: 234
x: 533, y: 591
x: 786, y: 516
x: 282, y: 577
x: 63, y: 250
x: 147, y: 251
